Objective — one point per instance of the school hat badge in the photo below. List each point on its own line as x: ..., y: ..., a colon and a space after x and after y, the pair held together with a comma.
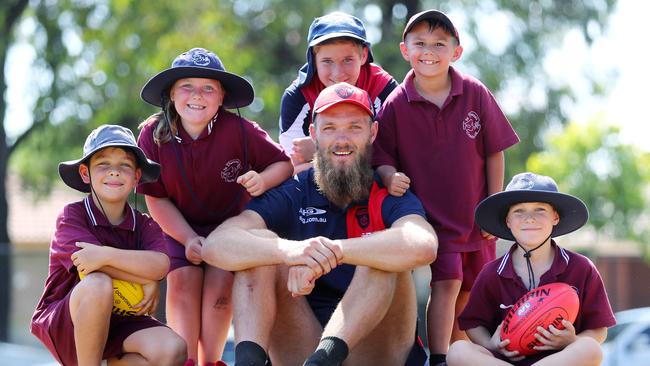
x: 491, y: 213
x: 102, y: 137
x: 199, y: 63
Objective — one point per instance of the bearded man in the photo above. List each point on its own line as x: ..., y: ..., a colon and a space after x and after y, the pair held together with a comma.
x: 323, y: 262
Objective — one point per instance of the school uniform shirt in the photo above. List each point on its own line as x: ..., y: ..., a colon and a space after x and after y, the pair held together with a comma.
x: 297, y: 102
x: 199, y: 176
x: 296, y: 210
x: 444, y: 152
x: 83, y: 221
x: 498, y: 287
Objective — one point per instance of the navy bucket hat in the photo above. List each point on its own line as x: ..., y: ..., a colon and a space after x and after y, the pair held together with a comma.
x: 329, y: 26
x: 199, y: 63
x: 102, y: 137
x: 491, y: 213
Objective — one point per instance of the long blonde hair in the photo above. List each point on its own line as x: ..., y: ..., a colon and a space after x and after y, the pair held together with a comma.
x: 167, y: 122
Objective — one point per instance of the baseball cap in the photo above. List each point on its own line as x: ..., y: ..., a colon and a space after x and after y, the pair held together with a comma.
x: 432, y: 14
x: 102, y: 137
x: 343, y: 93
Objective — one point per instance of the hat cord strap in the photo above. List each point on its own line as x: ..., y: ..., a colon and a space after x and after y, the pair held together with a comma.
x: 527, y: 254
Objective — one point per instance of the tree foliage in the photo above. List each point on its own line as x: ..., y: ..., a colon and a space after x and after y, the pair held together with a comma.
x: 591, y: 162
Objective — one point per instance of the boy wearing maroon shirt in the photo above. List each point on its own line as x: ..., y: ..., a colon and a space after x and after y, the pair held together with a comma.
x: 442, y: 134
x: 531, y: 211
x: 103, y: 238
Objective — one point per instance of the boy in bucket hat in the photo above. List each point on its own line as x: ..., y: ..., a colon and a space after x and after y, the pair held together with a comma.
x: 531, y: 211
x: 103, y: 238
x: 443, y: 135
x: 337, y: 51
x: 212, y: 161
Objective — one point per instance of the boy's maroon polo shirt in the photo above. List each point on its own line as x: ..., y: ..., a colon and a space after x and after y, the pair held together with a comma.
x: 83, y: 221
x: 498, y: 284
x: 199, y: 176
x: 444, y: 152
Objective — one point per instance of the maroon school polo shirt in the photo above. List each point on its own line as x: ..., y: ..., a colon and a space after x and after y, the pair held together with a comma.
x: 199, y: 176
x: 83, y: 221
x: 444, y: 151
x: 498, y: 287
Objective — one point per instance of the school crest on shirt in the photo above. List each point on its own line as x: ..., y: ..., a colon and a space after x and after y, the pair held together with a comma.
x: 230, y: 172
x: 472, y: 124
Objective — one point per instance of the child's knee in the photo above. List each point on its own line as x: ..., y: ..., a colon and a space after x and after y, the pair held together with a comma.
x: 458, y: 351
x: 590, y: 348
x: 96, y: 286
x: 170, y: 349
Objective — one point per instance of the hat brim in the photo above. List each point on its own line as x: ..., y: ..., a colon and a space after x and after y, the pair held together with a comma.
x: 491, y: 213
x: 69, y: 170
x: 332, y: 35
x: 239, y: 92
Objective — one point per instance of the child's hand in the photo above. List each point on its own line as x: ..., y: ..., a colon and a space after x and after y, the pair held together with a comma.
x: 500, y: 346
x: 487, y: 236
x: 149, y: 302
x: 398, y: 183
x: 301, y: 280
x: 89, y: 258
x: 556, y: 339
x: 253, y: 183
x: 193, y: 249
x: 303, y: 150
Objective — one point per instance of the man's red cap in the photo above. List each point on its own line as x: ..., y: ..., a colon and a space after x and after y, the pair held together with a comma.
x: 343, y: 93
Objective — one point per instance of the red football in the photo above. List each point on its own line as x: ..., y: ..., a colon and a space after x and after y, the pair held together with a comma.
x: 542, y: 306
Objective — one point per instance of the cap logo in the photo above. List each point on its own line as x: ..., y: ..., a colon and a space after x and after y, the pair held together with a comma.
x: 344, y: 91
x: 200, y: 58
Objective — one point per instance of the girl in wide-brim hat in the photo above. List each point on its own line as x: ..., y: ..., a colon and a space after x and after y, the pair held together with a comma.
x: 210, y: 161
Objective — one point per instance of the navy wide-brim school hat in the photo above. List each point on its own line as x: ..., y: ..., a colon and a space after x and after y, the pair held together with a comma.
x: 102, y: 137
x: 199, y: 63
x: 329, y: 26
x: 491, y: 213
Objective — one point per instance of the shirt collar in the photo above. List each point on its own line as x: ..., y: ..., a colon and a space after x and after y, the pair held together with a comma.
x: 97, y: 217
x: 412, y: 94
x: 561, y: 260
x: 182, y: 135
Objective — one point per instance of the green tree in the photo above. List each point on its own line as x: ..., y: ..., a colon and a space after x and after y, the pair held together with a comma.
x: 611, y: 177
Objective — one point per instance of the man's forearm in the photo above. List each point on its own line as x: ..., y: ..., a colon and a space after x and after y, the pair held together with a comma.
x: 410, y: 243
x: 236, y: 249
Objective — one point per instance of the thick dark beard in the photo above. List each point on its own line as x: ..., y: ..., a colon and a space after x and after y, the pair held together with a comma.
x: 342, y: 186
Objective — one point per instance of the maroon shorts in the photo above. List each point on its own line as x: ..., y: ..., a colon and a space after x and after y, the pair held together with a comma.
x: 58, y: 332
x: 463, y: 266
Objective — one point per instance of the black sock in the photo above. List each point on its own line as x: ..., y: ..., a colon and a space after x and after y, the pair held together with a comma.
x: 436, y: 358
x: 249, y: 353
x: 331, y: 351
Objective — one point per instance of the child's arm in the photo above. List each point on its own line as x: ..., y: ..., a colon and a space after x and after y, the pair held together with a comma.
x: 258, y: 183
x: 395, y: 182
x: 140, y: 266
x: 174, y: 224
x: 494, y: 171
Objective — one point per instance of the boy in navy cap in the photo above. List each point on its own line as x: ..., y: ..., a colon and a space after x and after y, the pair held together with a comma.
x: 442, y: 134
x: 337, y: 51
x: 531, y: 212
x: 102, y: 237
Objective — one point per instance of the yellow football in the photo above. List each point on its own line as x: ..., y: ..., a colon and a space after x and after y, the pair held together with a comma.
x: 125, y: 295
